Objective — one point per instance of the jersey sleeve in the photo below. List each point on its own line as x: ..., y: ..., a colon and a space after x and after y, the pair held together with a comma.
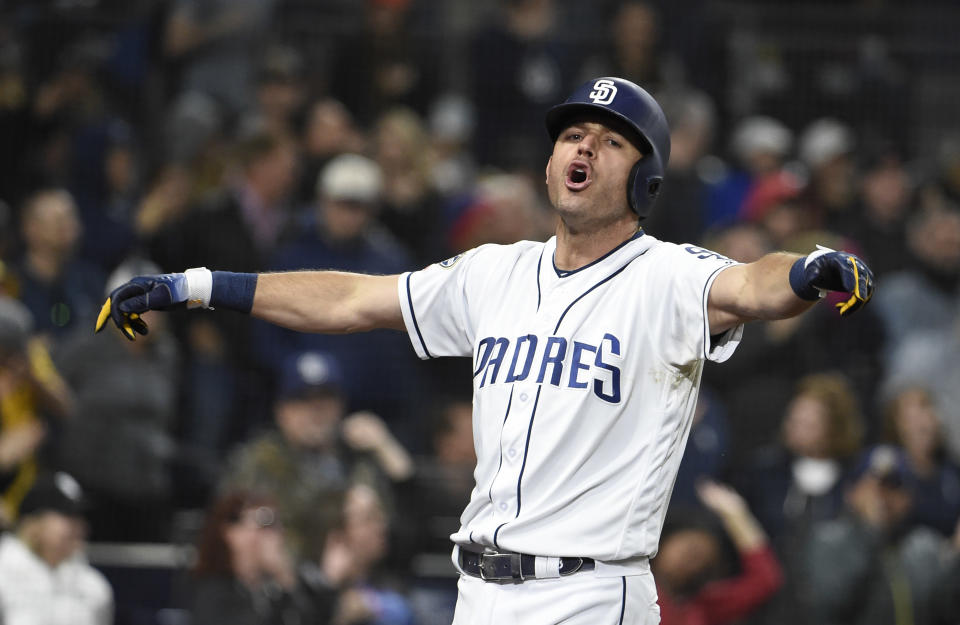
x: 435, y: 306
x: 688, y: 274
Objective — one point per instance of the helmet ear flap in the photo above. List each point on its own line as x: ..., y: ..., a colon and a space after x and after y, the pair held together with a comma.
x: 643, y: 187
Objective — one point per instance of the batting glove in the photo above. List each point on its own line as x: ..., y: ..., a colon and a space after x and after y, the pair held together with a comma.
x: 168, y: 291
x: 829, y: 270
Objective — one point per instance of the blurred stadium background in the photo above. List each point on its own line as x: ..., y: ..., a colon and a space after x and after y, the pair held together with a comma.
x: 382, y: 135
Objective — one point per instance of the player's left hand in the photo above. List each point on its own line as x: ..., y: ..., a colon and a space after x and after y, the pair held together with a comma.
x: 130, y: 300
x: 829, y: 270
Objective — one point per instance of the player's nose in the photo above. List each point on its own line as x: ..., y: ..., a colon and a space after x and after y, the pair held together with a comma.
x: 587, y: 146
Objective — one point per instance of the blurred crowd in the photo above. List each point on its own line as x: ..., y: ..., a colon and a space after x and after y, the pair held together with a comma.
x: 820, y: 482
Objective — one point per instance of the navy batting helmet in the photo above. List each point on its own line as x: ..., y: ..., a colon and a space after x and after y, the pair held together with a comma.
x: 636, y: 108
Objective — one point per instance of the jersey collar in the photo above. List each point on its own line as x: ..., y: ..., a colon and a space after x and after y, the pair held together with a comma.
x: 567, y: 273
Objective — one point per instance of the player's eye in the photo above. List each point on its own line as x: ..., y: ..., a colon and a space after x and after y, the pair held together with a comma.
x: 574, y: 136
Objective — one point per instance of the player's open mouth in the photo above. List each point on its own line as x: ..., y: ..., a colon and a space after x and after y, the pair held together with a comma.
x: 578, y: 176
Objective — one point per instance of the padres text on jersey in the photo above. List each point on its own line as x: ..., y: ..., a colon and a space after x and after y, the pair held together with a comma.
x: 585, y: 383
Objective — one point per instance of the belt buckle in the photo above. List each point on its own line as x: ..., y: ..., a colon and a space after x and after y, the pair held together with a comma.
x: 572, y: 570
x: 498, y: 567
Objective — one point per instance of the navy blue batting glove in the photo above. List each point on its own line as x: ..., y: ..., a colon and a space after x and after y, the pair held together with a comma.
x: 828, y: 270
x: 167, y: 291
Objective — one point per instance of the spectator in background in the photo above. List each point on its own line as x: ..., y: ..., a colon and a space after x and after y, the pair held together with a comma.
x: 800, y: 482
x: 870, y: 565
x: 44, y: 577
x: 945, y: 602
x: 383, y: 66
x: 410, y: 205
x: 70, y: 115
x: 432, y: 503
x: 443, y: 479
x: 879, y: 224
x: 225, y: 387
x: 350, y: 563
x: 682, y: 204
x: 109, y: 208
x: 451, y: 124
x: 759, y: 145
x: 341, y: 232
x: 166, y: 200
x: 246, y: 220
x: 316, y: 452
x: 827, y: 150
x: 637, y: 46
x: 519, y: 66
x: 912, y: 423
x: 16, y: 125
x: 505, y: 208
x: 280, y: 90
x: 708, y: 445
x: 774, y: 204
x: 215, y: 45
x: 120, y: 446
x: 942, y: 189
x: 920, y: 307
x: 689, y: 559
x: 925, y: 295
x: 330, y: 130
x: 635, y: 49
x: 30, y: 391
x: 932, y: 359
x: 243, y: 574
x: 62, y: 291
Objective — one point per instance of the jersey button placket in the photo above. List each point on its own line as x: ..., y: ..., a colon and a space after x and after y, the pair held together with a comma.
x: 511, y: 447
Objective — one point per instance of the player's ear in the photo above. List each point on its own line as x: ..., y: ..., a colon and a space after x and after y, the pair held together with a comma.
x: 547, y: 177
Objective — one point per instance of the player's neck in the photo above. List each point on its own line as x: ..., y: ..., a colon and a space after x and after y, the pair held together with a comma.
x: 577, y: 248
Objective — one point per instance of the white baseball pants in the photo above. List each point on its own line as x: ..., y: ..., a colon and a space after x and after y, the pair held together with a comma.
x: 578, y: 599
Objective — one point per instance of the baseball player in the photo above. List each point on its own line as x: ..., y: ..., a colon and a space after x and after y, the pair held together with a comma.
x: 587, y: 355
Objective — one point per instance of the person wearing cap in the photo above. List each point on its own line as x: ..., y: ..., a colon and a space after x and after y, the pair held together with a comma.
x: 44, y: 577
x: 342, y: 233
x: 826, y: 150
x: 317, y: 449
x: 870, y: 566
x: 760, y: 144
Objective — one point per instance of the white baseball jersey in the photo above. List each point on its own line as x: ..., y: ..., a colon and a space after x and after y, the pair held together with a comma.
x: 585, y: 384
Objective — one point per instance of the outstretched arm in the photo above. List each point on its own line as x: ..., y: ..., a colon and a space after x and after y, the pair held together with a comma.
x: 783, y: 285
x: 327, y: 301
x: 308, y: 301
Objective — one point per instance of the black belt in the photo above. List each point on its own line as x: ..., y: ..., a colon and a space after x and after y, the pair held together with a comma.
x: 500, y: 567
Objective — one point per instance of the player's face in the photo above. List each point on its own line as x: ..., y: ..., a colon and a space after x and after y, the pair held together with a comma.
x: 587, y: 173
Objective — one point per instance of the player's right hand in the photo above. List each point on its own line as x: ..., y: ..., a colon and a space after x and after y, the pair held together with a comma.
x: 130, y: 300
